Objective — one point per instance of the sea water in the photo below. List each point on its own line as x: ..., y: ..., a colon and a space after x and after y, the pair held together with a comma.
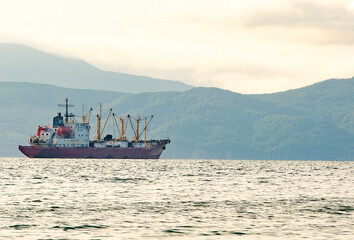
x: 175, y: 199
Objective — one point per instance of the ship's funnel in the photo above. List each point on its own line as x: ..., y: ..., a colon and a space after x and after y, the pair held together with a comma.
x: 58, y: 120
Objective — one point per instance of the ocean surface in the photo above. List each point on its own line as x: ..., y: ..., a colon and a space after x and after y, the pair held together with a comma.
x: 175, y: 199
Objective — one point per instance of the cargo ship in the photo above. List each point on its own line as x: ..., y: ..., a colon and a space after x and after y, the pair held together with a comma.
x: 68, y: 138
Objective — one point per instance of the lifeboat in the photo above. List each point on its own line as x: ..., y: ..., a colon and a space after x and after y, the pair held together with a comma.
x: 64, y: 132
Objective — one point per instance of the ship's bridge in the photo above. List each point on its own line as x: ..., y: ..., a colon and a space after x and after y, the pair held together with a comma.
x: 79, y: 135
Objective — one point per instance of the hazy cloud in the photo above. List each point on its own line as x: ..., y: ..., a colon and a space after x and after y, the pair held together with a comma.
x: 245, y: 46
x: 334, y: 20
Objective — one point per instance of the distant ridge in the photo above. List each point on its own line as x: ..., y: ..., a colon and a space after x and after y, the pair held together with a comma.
x: 310, y: 123
x: 20, y: 63
x: 332, y: 99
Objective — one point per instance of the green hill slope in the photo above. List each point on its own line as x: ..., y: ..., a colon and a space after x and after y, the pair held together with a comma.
x: 331, y: 100
x: 19, y: 63
x: 203, y: 122
x: 213, y: 123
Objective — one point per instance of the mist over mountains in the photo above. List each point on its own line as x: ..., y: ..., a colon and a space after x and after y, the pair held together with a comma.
x: 311, y: 123
x: 20, y: 63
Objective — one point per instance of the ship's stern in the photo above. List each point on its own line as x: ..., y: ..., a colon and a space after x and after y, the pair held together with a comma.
x: 29, y: 151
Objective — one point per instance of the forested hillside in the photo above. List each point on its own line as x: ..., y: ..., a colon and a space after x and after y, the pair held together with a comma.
x: 314, y: 122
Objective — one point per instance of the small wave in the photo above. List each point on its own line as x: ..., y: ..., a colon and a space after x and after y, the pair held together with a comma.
x: 211, y: 233
x: 189, y: 175
x: 175, y: 230
x: 117, y: 179
x: 237, y: 233
x: 85, y: 226
x: 186, y: 226
x: 345, y: 208
x: 21, y: 226
x: 338, y: 210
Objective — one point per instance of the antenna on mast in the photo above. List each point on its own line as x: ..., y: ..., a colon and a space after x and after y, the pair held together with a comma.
x: 67, y: 105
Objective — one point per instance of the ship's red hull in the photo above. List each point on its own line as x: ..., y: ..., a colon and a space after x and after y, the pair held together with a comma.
x: 92, y: 152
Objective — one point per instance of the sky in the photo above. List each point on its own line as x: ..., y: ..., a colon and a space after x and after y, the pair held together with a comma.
x: 255, y: 46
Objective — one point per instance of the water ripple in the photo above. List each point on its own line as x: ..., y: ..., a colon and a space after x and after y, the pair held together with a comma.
x: 183, y: 199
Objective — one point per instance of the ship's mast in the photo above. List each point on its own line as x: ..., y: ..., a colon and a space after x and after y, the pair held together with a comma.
x: 83, y: 114
x: 89, y: 115
x: 120, y: 132
x: 84, y: 118
x: 122, y: 127
x: 137, y: 134
x: 145, y: 130
x: 99, y: 116
x: 67, y: 105
x: 146, y: 125
x: 137, y: 121
x: 105, y: 124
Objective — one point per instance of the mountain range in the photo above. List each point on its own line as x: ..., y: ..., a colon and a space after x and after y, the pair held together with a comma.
x: 310, y: 123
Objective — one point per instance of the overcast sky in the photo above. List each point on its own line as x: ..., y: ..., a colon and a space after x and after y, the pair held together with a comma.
x: 254, y: 46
